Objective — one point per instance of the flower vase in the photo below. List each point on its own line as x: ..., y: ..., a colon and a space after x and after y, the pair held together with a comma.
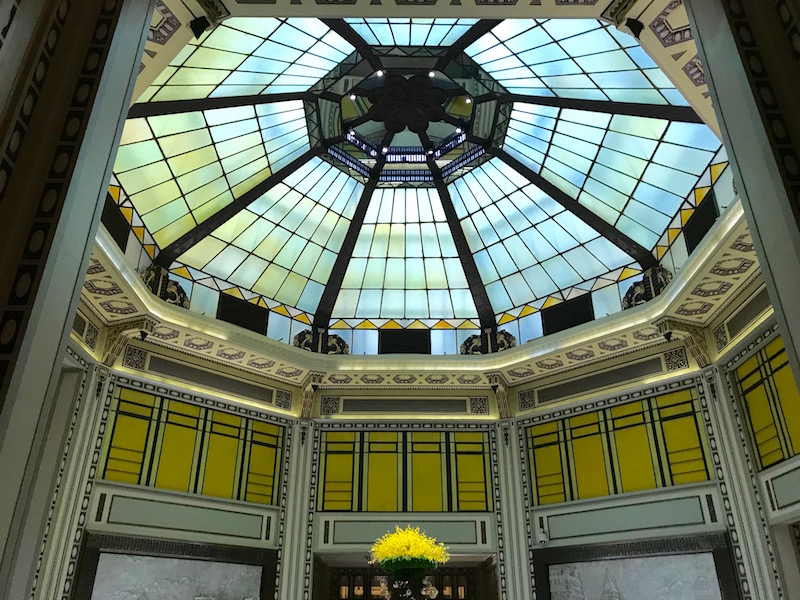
x: 407, y: 584
x: 406, y: 577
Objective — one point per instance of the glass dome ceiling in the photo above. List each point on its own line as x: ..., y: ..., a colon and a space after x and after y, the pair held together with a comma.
x: 439, y: 173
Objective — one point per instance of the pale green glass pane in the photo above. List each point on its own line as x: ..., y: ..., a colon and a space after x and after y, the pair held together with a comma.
x: 290, y: 251
x: 291, y: 289
x: 435, y: 274
x: 373, y: 275
x: 144, y: 177
x: 395, y: 277
x: 415, y: 273
x: 235, y: 145
x: 249, y: 272
x: 307, y: 260
x: 272, y: 244
x: 368, y: 303
x: 380, y: 241
x: 192, y: 181
x: 205, y: 193
x: 354, y: 276
x: 155, y: 197
x: 136, y: 155
x: 202, y: 252
x: 346, y: 302
x: 173, y: 231
x: 186, y: 163
x: 463, y: 304
x: 165, y: 215
x: 324, y: 266
x: 455, y: 273
x: 234, y: 226
x: 417, y: 304
x: 364, y: 240
x: 226, y: 262
x: 190, y: 76
x: 135, y: 130
x: 397, y: 241
x: 251, y: 237
x: 393, y: 304
x: 184, y: 142
x: 218, y: 59
x: 183, y: 92
x: 270, y: 282
x: 212, y: 207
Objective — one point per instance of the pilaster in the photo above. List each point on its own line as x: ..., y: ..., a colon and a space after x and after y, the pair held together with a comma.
x: 58, y: 149
x: 513, y: 565
x: 746, y: 520
x: 749, y: 51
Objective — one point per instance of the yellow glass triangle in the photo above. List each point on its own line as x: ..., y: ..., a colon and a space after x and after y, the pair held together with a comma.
x: 262, y: 303
x: 391, y: 324
x: 468, y: 325
x: 551, y: 301
x: 628, y: 272
x: 127, y: 213
x: 443, y: 325
x: 672, y: 233
x: 234, y: 291
x: 254, y: 300
x: 151, y: 250
x: 281, y: 310
x: 303, y: 319
x: 716, y: 171
x: 339, y: 325
x: 182, y: 272
x: 661, y: 251
x: 366, y: 324
x: 686, y: 214
x: 527, y: 310
x: 505, y: 319
x: 139, y: 233
x: 700, y: 193
x: 417, y: 325
x: 114, y: 191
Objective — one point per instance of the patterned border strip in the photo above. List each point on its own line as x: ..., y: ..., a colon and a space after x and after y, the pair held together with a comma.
x: 51, y: 513
x: 29, y: 270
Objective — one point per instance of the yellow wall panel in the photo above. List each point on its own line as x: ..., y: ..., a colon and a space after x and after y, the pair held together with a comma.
x: 338, y: 486
x: 590, y: 467
x: 382, y: 482
x: 127, y: 449
x: 789, y: 405
x: 176, y: 457
x: 548, y: 475
x: 635, y: 459
x: 470, y: 481
x: 261, y: 474
x: 221, y: 462
x: 426, y: 482
x: 185, y: 460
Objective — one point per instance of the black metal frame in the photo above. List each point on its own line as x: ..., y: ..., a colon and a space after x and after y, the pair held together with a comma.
x: 96, y: 544
x: 717, y: 544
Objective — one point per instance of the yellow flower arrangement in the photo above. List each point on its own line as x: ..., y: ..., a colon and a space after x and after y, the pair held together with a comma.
x: 408, y: 548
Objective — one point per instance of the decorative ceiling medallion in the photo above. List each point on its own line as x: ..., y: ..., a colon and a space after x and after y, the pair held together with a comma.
x: 613, y: 344
x: 732, y: 266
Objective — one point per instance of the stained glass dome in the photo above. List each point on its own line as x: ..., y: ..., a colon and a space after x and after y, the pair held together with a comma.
x: 455, y: 175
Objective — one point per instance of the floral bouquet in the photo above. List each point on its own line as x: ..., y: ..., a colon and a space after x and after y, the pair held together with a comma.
x: 407, y: 551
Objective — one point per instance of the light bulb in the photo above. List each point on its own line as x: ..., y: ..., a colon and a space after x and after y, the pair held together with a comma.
x: 384, y: 150
x: 352, y: 96
x: 468, y: 100
x: 379, y: 73
x: 430, y: 150
x: 458, y: 129
x: 431, y: 74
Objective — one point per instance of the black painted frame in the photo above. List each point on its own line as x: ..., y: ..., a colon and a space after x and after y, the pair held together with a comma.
x: 95, y: 544
x: 717, y: 544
